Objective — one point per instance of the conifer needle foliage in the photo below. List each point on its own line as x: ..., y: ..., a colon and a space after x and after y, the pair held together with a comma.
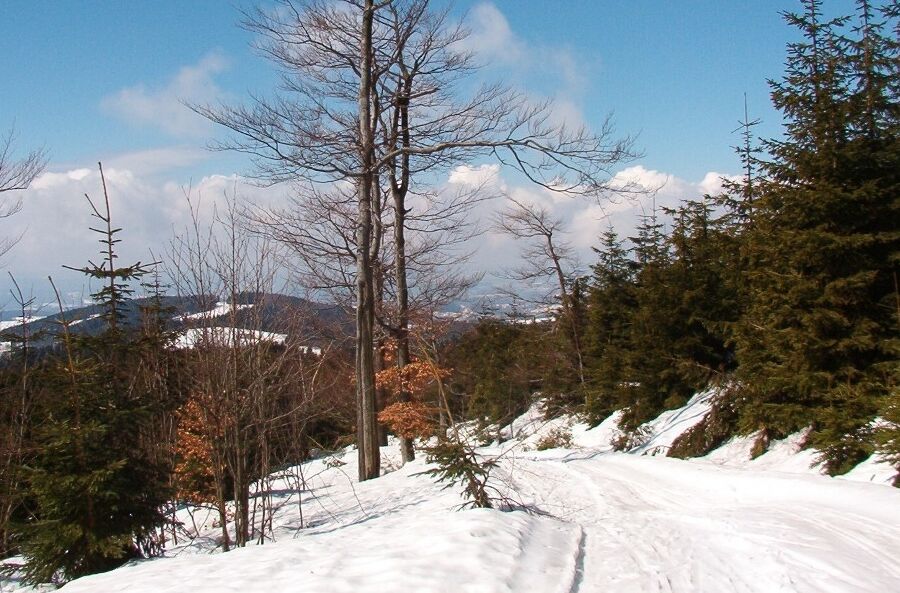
x: 98, y: 486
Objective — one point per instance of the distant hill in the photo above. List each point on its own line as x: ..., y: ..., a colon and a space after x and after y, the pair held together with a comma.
x: 276, y: 313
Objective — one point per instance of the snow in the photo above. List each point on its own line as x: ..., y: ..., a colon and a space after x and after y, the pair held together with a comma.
x: 225, y: 336
x: 6, y: 347
x: 88, y: 318
x: 875, y: 469
x: 588, y: 520
x: 220, y: 310
x: 669, y: 425
x: 17, y: 321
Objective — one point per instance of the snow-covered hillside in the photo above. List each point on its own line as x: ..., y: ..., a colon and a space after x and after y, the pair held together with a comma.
x: 591, y: 520
x: 787, y: 455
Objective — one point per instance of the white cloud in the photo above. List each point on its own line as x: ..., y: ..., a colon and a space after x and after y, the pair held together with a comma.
x: 163, y: 107
x: 479, y: 176
x: 55, y: 217
x: 493, y: 41
x: 150, y: 205
x: 158, y: 160
x: 567, y: 112
x: 51, y: 180
x: 585, y: 220
x: 491, y: 36
x: 643, y: 179
x: 712, y: 182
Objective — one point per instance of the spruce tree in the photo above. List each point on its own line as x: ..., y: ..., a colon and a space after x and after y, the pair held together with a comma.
x: 652, y: 382
x: 498, y: 368
x: 611, y: 304
x: 99, y: 490
x: 706, y: 302
x: 818, y: 338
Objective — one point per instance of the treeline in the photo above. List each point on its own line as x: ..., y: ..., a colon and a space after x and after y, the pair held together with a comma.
x: 782, y: 290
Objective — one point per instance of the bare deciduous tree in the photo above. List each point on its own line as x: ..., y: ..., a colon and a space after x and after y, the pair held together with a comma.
x: 354, y: 109
x: 249, y: 390
x: 547, y: 255
x: 16, y: 174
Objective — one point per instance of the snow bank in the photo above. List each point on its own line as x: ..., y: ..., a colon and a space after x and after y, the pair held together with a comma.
x: 671, y: 424
x: 398, y: 533
x: 656, y: 438
x: 474, y: 551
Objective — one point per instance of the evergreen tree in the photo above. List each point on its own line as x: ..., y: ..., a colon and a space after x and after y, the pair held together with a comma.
x: 706, y: 303
x: 561, y: 382
x: 818, y: 337
x: 658, y: 321
x: 497, y: 368
x: 16, y: 403
x: 611, y: 304
x: 652, y: 380
x: 678, y: 342
x: 98, y: 486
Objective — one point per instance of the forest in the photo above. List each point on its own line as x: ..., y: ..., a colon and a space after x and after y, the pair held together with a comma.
x: 195, y: 377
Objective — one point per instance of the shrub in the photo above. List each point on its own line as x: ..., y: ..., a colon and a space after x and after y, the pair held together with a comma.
x: 558, y: 438
x: 459, y: 463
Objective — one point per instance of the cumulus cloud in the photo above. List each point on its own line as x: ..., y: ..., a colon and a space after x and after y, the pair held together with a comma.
x: 150, y: 207
x: 163, y: 106
x: 469, y: 176
x: 584, y: 220
x: 159, y: 160
x: 149, y: 203
x: 712, y: 182
x: 642, y: 179
x: 49, y: 181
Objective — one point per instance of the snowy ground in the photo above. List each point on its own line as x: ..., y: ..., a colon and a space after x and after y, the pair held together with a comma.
x: 597, y: 521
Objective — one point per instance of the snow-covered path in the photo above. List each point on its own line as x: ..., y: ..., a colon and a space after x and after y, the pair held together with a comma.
x: 595, y: 521
x: 601, y: 522
x: 658, y: 524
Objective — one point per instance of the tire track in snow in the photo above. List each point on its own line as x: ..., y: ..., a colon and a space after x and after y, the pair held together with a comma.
x: 669, y: 526
x: 578, y: 574
x: 546, y: 547
x: 601, y: 562
x: 629, y: 543
x: 639, y: 550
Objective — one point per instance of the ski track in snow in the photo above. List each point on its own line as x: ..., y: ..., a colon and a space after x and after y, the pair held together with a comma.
x: 596, y: 522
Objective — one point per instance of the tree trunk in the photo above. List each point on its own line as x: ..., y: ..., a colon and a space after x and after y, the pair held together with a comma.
x: 567, y: 308
x: 406, y: 445
x: 398, y: 193
x: 378, y: 291
x: 380, y: 395
x: 366, y: 424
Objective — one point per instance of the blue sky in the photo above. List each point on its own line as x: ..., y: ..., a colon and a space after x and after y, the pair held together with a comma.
x: 673, y: 71
x: 92, y: 80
